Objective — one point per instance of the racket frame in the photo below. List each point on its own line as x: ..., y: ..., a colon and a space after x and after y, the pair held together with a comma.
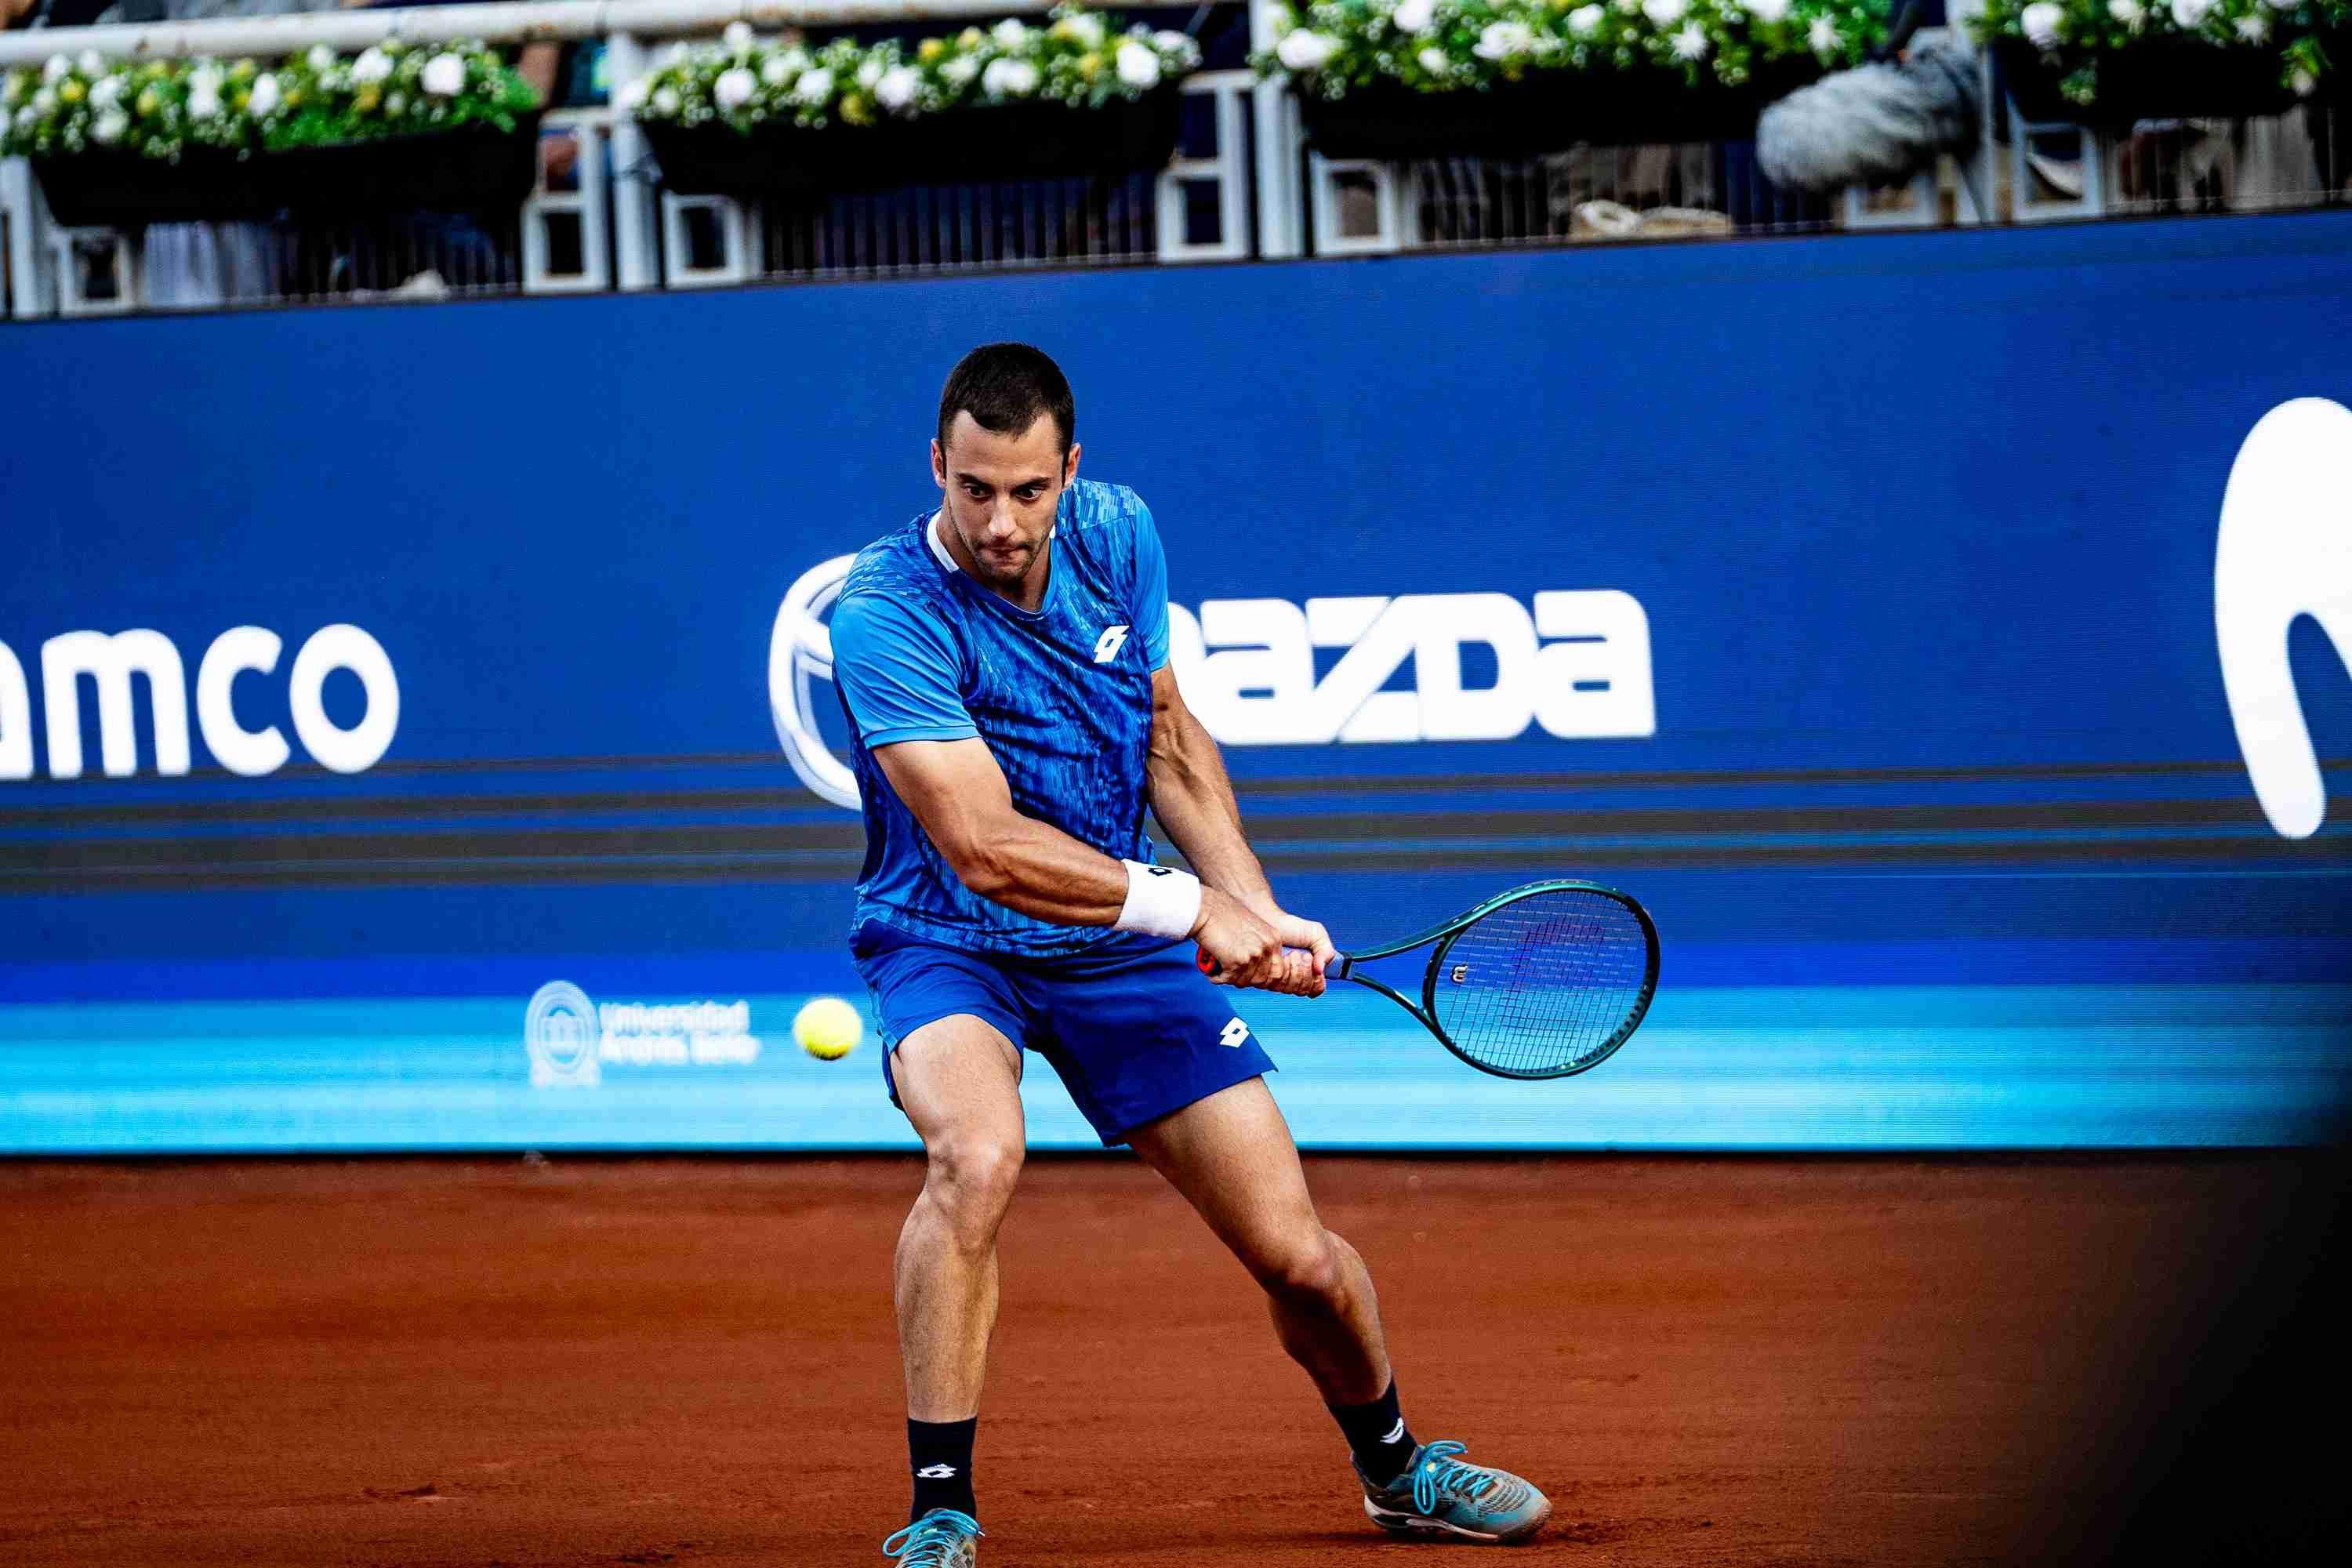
x: 1445, y: 933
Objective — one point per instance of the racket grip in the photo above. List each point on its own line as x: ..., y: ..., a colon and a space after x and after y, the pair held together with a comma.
x: 1337, y: 969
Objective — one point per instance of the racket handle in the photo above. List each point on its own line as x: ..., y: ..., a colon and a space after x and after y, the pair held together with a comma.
x: 1338, y: 970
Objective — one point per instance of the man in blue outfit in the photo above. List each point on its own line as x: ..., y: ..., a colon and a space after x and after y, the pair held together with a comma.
x: 1004, y: 661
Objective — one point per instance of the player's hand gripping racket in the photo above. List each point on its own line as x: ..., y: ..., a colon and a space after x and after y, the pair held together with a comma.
x: 1541, y: 982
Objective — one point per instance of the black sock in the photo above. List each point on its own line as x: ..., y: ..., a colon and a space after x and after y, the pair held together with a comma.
x: 1377, y: 1435
x: 940, y: 1453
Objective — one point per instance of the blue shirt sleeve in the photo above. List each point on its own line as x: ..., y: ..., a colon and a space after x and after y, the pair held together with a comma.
x: 898, y: 671
x: 1150, y: 605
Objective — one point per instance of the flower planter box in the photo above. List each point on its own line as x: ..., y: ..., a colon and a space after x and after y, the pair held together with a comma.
x: 1545, y: 113
x: 477, y: 169
x: 1012, y: 142
x: 2161, y: 78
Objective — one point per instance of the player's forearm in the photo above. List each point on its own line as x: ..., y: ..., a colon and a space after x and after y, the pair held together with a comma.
x: 1034, y: 867
x: 1195, y: 801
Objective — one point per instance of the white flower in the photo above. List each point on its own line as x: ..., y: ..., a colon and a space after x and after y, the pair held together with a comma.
x: 1170, y: 41
x: 1627, y: 6
x: 814, y: 86
x: 2306, y: 84
x: 960, y: 70
x: 1414, y: 15
x: 775, y: 72
x: 897, y: 87
x: 445, y: 75
x: 58, y: 69
x: 1083, y: 29
x: 26, y: 116
x: 1769, y: 11
x: 12, y: 88
x: 1301, y: 50
x: 1009, y: 33
x: 264, y: 97
x: 1503, y: 40
x: 372, y: 66
x: 397, y: 104
x: 666, y: 101
x: 322, y: 59
x: 205, y: 79
x: 2042, y: 21
x: 1731, y: 7
x: 2255, y: 28
x: 1822, y: 36
x: 733, y: 89
x: 1664, y: 14
x: 795, y: 60
x: 112, y: 126
x: 105, y: 91
x: 1585, y: 20
x: 1137, y: 66
x: 2190, y: 15
x: 1433, y: 60
x: 739, y: 38
x: 2130, y: 12
x: 634, y: 93
x: 869, y: 72
x: 203, y: 103
x: 1009, y: 78
x: 92, y: 63
x: 1690, y: 43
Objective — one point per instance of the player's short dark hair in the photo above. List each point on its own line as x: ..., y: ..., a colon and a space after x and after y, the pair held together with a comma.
x: 1004, y: 387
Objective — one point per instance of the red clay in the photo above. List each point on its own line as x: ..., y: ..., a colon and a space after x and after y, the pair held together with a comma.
x: 488, y: 1362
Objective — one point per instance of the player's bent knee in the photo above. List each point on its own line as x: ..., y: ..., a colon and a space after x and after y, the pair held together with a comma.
x: 972, y: 1178
x: 1308, y: 1273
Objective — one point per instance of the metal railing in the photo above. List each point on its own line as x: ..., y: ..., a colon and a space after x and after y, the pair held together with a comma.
x: 1244, y: 185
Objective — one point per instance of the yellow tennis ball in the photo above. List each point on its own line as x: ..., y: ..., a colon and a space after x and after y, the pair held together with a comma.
x: 828, y: 1028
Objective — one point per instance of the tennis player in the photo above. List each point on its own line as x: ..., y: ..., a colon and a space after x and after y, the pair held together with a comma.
x: 1004, y: 661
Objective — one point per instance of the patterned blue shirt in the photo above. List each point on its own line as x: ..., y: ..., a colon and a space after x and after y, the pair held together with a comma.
x: 1062, y: 696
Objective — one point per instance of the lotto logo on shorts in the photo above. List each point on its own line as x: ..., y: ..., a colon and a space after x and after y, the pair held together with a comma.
x: 1234, y: 1034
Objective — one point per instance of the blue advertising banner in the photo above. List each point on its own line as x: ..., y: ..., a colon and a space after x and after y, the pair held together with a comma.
x: 416, y: 726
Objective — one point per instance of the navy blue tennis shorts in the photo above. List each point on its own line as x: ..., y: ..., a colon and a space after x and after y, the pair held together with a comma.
x: 1131, y: 1028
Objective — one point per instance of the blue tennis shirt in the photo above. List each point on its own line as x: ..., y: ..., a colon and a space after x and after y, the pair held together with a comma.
x: 1062, y: 696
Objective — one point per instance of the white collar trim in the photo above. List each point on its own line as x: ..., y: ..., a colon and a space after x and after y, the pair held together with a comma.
x: 939, y: 551
x: 932, y: 538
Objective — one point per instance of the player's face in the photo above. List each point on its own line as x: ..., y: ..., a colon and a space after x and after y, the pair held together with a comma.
x: 1001, y: 495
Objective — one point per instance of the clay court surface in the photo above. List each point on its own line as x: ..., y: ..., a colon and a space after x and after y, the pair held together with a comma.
x: 475, y: 1362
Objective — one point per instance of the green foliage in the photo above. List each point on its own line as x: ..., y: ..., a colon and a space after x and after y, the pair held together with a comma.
x: 1333, y: 46
x: 158, y: 109
x: 1077, y: 58
x: 2076, y: 34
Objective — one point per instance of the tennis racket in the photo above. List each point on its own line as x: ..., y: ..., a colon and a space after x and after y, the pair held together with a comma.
x: 1540, y: 982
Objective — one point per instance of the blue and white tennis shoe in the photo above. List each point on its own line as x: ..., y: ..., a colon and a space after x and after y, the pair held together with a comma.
x: 940, y: 1539
x: 1440, y: 1493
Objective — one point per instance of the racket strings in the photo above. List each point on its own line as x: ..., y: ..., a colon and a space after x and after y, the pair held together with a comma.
x: 1546, y: 984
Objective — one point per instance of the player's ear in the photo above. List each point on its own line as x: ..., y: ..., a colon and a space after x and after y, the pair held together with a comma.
x: 938, y: 465
x: 1070, y: 464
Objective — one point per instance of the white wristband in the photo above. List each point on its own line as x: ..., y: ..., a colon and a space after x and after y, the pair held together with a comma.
x: 1160, y: 901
